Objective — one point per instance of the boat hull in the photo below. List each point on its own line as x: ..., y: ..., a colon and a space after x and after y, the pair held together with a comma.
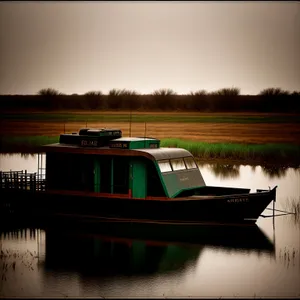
x: 223, y: 209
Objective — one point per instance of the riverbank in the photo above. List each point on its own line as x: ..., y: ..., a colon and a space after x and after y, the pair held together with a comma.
x: 221, y: 153
x: 242, y: 138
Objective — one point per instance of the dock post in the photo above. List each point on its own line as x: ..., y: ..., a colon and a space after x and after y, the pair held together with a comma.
x: 34, y: 182
x: 5, y: 181
x: 25, y: 179
x: 15, y: 175
x: 38, y: 162
x: 11, y: 179
x: 30, y: 182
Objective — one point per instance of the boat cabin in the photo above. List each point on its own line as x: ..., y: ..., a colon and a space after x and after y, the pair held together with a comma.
x: 104, y: 162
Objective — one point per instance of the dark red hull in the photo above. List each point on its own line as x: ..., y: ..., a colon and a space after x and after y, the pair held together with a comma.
x: 228, y: 208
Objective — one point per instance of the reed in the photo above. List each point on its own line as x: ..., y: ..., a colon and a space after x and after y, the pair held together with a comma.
x: 10, y: 260
x: 263, y: 152
x: 293, y: 206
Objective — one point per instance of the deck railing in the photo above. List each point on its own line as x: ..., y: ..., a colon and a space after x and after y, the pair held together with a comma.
x: 21, y: 180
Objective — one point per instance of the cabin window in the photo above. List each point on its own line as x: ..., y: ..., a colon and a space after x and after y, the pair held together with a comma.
x: 164, y: 166
x: 154, y: 185
x: 105, y: 174
x: 178, y: 164
x: 120, y: 175
x: 190, y: 163
x: 69, y: 171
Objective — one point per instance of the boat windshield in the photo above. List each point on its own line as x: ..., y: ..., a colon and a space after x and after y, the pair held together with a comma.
x: 165, y: 166
x: 178, y: 164
x: 190, y: 163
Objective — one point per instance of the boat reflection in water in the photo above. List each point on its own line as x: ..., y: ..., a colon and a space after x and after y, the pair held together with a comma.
x: 93, y: 252
x: 106, y: 255
x: 68, y: 260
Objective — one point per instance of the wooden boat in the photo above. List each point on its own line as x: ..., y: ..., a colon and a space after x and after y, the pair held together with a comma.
x: 99, y: 175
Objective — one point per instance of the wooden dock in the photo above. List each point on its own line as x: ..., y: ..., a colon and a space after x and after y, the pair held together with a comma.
x: 22, y: 180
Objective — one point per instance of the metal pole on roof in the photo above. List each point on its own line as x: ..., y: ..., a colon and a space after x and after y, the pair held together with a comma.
x: 130, y: 121
x: 145, y: 136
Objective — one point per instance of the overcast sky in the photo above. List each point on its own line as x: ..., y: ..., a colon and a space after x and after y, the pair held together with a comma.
x: 76, y: 47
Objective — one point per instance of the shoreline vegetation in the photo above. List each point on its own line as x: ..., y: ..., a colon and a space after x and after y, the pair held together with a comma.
x: 222, y: 100
x: 224, y: 153
x: 222, y: 126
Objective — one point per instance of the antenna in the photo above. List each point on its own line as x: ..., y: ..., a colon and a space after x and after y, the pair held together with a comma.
x: 65, y: 127
x: 130, y: 116
x: 145, y: 136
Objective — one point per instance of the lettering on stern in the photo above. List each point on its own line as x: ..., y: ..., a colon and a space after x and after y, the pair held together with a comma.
x: 238, y: 200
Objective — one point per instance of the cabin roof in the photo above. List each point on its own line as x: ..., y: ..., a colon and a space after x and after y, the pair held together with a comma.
x: 166, y: 153
x: 155, y: 154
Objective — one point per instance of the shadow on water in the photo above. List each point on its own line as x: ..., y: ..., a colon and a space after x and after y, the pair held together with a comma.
x: 225, y: 171
x: 232, y: 171
x: 91, y: 252
x: 25, y: 155
x: 107, y: 256
x: 274, y: 172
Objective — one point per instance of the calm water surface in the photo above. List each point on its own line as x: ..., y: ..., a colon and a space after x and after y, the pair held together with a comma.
x: 39, y: 263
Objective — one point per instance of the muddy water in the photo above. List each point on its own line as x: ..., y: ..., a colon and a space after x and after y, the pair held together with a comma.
x: 39, y: 263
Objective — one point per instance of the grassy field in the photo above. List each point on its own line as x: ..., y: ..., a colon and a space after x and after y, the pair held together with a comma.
x: 255, y: 138
x: 152, y: 117
x: 253, y: 154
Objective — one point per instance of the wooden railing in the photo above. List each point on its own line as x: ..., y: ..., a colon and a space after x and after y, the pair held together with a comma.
x: 21, y: 180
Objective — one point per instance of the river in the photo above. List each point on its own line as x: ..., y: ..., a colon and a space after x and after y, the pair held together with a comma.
x: 41, y: 263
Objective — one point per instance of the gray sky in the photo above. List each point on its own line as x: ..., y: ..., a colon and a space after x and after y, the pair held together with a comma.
x: 77, y: 47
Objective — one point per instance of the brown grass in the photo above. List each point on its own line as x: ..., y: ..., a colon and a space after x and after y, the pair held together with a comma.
x: 205, y: 132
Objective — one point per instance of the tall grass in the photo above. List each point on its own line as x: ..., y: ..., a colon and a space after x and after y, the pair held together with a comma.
x: 293, y: 205
x: 261, y: 153
x: 264, y: 152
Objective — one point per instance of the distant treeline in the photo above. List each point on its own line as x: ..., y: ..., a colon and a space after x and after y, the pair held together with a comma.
x: 227, y: 99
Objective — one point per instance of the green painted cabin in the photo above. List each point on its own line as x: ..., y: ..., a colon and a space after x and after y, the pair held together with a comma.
x: 102, y: 161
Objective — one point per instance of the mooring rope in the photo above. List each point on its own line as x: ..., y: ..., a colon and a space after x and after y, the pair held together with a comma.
x: 286, y: 212
x: 271, y: 216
